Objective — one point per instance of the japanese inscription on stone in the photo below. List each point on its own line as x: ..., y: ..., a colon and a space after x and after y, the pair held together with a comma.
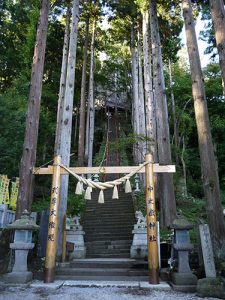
x: 207, y: 251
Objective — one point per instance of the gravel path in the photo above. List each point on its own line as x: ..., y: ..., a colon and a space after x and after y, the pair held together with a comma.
x: 78, y: 293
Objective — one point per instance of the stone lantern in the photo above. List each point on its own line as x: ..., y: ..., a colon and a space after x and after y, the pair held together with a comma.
x: 22, y: 244
x: 182, y: 280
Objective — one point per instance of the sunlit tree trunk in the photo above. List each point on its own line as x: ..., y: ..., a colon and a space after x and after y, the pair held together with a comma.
x: 149, y: 97
x: 91, y: 100
x: 135, y: 94
x: 166, y: 188
x: 65, y: 139
x: 207, y: 156
x: 28, y: 160
x: 218, y: 18
x: 83, y: 100
x: 173, y: 109
x: 62, y: 84
x: 141, y: 106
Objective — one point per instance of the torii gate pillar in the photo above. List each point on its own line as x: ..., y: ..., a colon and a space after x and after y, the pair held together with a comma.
x: 153, y: 264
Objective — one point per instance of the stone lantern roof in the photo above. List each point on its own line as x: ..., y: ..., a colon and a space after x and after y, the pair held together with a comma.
x: 24, y: 223
x: 180, y: 222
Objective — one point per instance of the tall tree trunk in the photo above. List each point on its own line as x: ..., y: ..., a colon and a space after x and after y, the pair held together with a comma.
x: 82, y: 101
x: 218, y: 18
x: 87, y: 134
x: 175, y: 130
x: 141, y: 106
x: 135, y: 88
x: 62, y: 84
x: 28, y: 159
x: 207, y: 156
x: 149, y: 97
x: 65, y: 138
x: 184, y: 184
x: 91, y: 100
x: 168, y: 204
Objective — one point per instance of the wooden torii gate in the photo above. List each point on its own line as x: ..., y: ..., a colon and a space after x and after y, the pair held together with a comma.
x: 149, y: 169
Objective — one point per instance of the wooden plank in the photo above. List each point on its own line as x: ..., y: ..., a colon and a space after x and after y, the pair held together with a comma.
x: 106, y: 170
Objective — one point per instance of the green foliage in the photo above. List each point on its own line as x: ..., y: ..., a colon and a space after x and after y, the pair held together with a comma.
x: 141, y: 202
x: 17, y: 19
x: 194, y: 210
x: 76, y: 204
x: 40, y: 204
x: 12, y: 115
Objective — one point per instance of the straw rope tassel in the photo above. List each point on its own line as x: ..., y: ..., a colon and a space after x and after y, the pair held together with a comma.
x: 115, y: 193
x: 101, y: 197
x: 128, y: 186
x: 78, y: 189
x: 87, y: 195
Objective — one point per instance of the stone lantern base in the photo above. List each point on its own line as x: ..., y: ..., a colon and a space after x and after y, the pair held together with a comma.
x: 76, y: 236
x: 139, y: 247
x: 184, y: 282
x: 18, y: 277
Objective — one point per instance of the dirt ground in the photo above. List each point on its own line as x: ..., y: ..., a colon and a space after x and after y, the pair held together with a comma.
x: 93, y: 293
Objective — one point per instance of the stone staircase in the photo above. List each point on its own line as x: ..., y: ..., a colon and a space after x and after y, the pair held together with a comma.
x: 103, y: 269
x: 108, y: 237
x: 108, y: 227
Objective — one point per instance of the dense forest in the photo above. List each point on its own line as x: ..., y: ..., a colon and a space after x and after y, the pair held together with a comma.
x: 128, y: 52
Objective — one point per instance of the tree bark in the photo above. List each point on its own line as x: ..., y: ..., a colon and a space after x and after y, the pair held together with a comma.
x: 62, y: 85
x: 168, y: 204
x: 91, y: 100
x: 28, y: 160
x: 65, y: 139
x: 135, y: 89
x: 218, y: 18
x: 184, y: 184
x: 141, y: 106
x: 175, y: 130
x: 207, y: 156
x: 82, y: 101
x: 149, y: 97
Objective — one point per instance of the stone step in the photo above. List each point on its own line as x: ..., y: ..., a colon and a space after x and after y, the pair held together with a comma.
x: 100, y: 272
x: 108, y: 243
x: 107, y: 221
x: 90, y: 238
x: 118, y: 226
x: 108, y: 232
x: 112, y: 212
x: 107, y: 204
x: 98, y: 219
x: 109, y: 247
x: 107, y: 251
x: 101, y: 262
x: 109, y: 229
x: 109, y: 200
x: 103, y: 278
x: 108, y: 237
x: 113, y: 255
x: 106, y: 263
